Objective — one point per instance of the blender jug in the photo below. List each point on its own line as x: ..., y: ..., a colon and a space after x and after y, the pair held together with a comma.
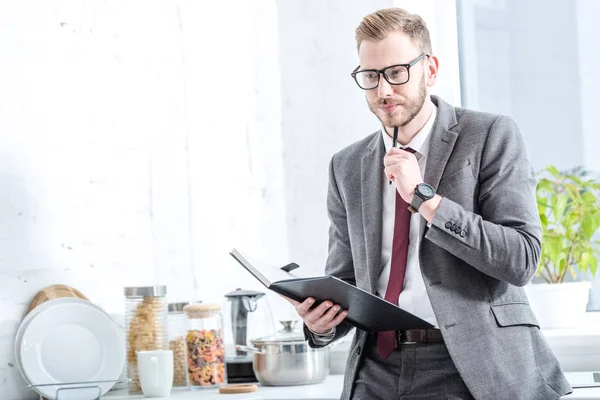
x: 247, y: 316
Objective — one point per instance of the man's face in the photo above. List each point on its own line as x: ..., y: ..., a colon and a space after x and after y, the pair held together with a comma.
x: 395, y: 105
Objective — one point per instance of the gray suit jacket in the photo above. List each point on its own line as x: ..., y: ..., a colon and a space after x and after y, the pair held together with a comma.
x: 483, y: 245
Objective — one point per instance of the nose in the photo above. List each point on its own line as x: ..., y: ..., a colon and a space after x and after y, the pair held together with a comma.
x: 384, y: 89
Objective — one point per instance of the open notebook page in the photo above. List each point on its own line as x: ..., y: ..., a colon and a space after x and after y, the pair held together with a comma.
x: 263, y: 271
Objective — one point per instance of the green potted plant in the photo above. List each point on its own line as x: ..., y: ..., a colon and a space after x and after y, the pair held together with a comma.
x: 569, y: 208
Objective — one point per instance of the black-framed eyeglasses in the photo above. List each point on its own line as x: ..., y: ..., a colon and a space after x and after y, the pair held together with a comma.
x: 398, y: 74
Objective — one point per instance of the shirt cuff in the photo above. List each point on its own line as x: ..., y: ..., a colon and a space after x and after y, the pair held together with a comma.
x: 323, y: 338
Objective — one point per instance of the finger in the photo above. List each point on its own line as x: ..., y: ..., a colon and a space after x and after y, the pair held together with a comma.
x: 388, y: 162
x: 394, y: 159
x: 315, y: 314
x: 331, y: 319
x: 338, y: 319
x: 392, y: 172
x: 387, y: 174
x: 329, y: 315
x: 398, y: 152
x: 302, y: 308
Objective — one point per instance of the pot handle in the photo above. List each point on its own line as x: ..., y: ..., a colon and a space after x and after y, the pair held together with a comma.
x: 248, y: 349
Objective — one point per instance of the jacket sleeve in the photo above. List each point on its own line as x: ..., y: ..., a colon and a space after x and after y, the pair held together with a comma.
x: 504, y: 239
x: 339, y: 260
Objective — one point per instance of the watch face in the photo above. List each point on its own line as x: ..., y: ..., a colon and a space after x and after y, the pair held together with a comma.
x: 427, y: 191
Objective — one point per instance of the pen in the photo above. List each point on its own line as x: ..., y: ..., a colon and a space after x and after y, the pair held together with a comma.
x: 395, y: 139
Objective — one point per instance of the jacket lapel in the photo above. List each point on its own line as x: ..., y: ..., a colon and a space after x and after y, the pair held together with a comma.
x: 441, y: 144
x: 372, y: 206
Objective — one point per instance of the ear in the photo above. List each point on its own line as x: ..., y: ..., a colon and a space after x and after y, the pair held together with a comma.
x: 432, y: 65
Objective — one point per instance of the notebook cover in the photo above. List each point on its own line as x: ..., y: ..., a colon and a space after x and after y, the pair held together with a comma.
x: 365, y: 310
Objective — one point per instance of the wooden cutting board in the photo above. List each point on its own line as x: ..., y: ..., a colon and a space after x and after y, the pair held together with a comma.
x: 54, y: 292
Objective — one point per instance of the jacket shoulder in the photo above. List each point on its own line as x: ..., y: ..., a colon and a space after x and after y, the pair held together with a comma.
x: 471, y: 122
x: 356, y: 150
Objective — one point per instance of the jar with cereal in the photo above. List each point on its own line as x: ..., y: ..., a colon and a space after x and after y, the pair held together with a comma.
x: 205, y: 349
x: 146, y: 326
x: 178, y: 324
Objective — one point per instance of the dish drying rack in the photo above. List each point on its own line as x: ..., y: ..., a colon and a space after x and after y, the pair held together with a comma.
x: 69, y: 387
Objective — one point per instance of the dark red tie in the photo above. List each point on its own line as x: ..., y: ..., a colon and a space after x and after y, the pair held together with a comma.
x: 386, y: 341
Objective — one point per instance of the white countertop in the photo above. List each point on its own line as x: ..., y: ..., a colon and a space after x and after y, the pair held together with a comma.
x: 331, y: 389
x: 328, y: 390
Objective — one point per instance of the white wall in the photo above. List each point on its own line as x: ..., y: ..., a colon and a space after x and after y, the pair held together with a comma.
x: 526, y: 57
x: 124, y: 137
x: 322, y: 111
x: 586, y: 13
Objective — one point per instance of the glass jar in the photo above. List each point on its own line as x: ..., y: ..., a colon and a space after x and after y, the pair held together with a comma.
x: 205, y: 348
x: 178, y: 324
x: 146, y: 326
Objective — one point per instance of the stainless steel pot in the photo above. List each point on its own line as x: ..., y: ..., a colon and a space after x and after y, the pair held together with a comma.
x: 286, y: 359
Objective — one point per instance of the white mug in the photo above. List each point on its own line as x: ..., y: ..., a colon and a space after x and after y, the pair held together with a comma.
x: 155, y: 369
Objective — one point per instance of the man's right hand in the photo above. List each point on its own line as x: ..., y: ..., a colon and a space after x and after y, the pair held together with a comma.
x: 322, y: 318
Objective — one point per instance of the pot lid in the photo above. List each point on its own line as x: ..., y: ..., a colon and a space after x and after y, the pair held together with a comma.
x: 241, y: 293
x: 286, y: 335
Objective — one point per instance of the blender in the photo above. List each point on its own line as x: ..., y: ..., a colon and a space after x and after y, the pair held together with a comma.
x: 247, y: 316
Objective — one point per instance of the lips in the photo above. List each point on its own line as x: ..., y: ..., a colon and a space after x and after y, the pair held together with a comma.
x: 388, y: 108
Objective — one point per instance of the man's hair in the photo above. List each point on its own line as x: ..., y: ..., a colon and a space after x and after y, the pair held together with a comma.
x: 376, y: 26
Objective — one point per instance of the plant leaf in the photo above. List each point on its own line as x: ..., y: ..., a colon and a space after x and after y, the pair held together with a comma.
x: 589, y: 198
x: 554, y: 249
x: 552, y: 169
x: 544, y: 220
x: 560, y: 206
x: 573, y: 272
x: 588, y: 225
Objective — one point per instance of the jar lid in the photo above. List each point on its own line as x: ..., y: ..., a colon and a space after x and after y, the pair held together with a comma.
x: 200, y: 310
x: 145, y: 291
x: 178, y: 307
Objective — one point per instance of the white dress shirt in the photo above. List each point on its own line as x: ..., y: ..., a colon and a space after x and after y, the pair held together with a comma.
x: 413, y: 297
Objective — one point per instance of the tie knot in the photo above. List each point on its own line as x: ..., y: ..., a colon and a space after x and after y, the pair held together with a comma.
x: 412, y: 151
x: 409, y: 149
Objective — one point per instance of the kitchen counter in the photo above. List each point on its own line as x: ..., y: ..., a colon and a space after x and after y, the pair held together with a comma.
x: 328, y: 390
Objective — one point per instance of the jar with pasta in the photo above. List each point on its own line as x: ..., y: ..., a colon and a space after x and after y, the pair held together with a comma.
x: 178, y: 324
x: 146, y: 326
x: 205, y: 349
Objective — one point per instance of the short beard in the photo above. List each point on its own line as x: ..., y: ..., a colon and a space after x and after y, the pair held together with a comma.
x: 411, y: 107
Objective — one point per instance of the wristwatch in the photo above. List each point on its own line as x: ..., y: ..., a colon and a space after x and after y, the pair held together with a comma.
x: 423, y: 192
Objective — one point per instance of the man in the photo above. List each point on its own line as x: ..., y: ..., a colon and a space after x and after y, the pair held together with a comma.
x: 457, y: 259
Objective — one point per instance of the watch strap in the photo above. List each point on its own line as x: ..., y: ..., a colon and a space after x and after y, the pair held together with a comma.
x: 415, y: 204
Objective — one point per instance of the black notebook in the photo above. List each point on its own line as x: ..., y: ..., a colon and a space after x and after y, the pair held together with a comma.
x: 365, y: 310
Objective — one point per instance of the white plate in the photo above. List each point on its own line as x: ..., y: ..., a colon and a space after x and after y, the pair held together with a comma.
x: 28, y: 318
x: 71, y: 342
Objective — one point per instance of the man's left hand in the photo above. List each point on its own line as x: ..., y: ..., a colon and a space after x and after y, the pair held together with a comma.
x: 402, y: 167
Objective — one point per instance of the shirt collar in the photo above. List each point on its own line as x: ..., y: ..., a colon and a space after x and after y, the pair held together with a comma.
x: 419, y: 142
